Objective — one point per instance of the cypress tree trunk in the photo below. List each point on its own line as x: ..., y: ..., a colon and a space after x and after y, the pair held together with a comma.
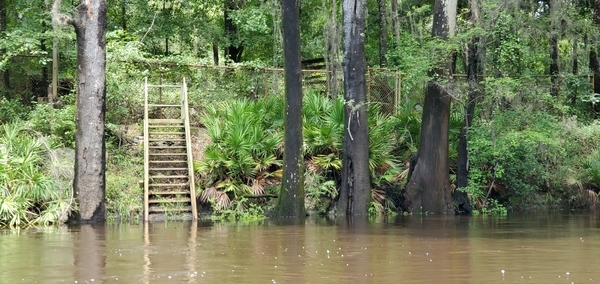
x: 89, y: 21
x: 291, y: 197
x: 3, y: 28
x: 395, y: 23
x: 355, y: 191
x: 428, y: 188
x: 332, y: 41
x: 232, y: 51
x: 382, y: 33
x: 474, y: 93
x: 553, y: 41
x: 594, y: 63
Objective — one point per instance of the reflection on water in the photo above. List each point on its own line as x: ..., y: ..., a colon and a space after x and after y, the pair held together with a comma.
x: 414, y: 249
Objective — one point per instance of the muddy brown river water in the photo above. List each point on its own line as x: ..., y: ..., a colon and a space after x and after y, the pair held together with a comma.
x: 553, y: 248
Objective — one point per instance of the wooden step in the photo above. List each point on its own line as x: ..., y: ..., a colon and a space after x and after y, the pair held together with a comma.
x: 167, y: 169
x: 167, y: 147
x: 176, y: 126
x: 175, y: 209
x: 167, y: 133
x: 167, y: 162
x: 173, y: 177
x: 169, y: 192
x: 163, y: 86
x: 167, y: 184
x: 168, y: 154
x: 164, y: 121
x: 170, y: 200
x: 163, y: 105
x: 166, y: 140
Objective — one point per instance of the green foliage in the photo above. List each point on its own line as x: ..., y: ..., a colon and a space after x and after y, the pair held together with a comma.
x: 28, y: 192
x: 11, y: 110
x: 244, y: 152
x: 591, y: 165
x: 521, y: 152
x: 56, y: 123
x: 124, y: 193
x: 319, y: 191
x: 241, y: 210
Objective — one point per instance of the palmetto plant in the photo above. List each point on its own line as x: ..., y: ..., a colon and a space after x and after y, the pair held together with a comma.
x: 28, y: 193
x: 246, y: 150
x: 246, y: 147
x: 592, y: 168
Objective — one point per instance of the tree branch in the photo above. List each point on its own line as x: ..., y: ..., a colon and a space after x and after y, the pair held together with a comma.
x: 58, y: 18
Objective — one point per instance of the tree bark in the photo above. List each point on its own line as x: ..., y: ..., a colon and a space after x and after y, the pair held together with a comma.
x: 473, y: 77
x: 89, y: 21
x: 291, y: 197
x: 3, y: 28
x: 428, y: 189
x: 124, y: 15
x: 233, y: 51
x: 332, y: 61
x: 355, y: 191
x: 594, y: 63
x: 395, y: 23
x: 382, y: 33
x: 553, y: 41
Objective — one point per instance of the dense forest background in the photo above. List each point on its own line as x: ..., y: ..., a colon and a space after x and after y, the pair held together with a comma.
x: 528, y: 108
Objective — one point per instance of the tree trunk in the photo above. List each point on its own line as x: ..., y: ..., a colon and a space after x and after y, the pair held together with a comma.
x: 355, y: 191
x: 234, y: 50
x: 553, y: 42
x: 428, y: 189
x: 291, y: 197
x: 395, y: 23
x: 89, y: 21
x: 382, y: 33
x: 124, y: 15
x: 594, y: 63
x: 462, y: 161
x: 3, y: 28
x: 332, y: 61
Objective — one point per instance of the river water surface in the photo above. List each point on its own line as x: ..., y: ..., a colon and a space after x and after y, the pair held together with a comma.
x: 556, y: 248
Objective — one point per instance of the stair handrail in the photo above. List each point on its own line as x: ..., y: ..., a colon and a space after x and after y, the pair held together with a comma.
x: 146, y: 151
x: 188, y: 143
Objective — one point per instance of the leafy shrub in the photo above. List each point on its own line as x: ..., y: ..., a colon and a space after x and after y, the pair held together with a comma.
x: 521, y: 153
x: 123, y: 191
x: 591, y: 165
x: 28, y: 193
x: 11, y: 110
x: 56, y: 123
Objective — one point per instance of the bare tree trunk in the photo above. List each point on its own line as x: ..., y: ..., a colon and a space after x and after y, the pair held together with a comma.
x: 233, y: 51
x: 89, y: 21
x: 382, y: 33
x: 594, y: 63
x: 395, y: 23
x: 215, y: 49
x: 124, y: 15
x: 553, y: 41
x: 428, y: 188
x: 332, y: 39
x: 3, y: 28
x: 291, y: 197
x: 355, y: 192
x: 473, y: 76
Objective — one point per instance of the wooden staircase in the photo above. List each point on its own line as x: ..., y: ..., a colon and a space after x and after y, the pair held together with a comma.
x: 168, y: 173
